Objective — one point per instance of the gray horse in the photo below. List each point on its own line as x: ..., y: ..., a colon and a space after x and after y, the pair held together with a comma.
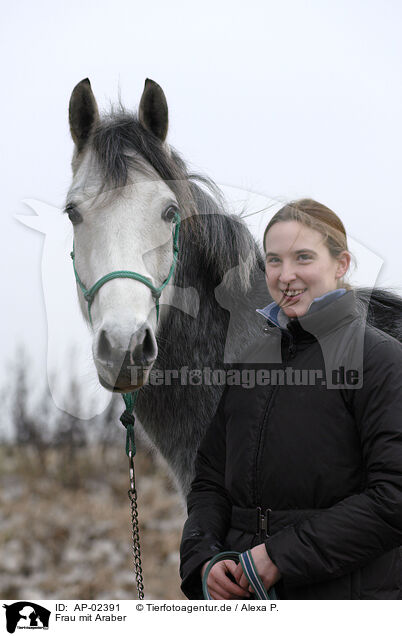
x: 128, y: 187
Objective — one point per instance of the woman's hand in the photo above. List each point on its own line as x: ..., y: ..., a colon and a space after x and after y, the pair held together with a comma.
x: 266, y: 568
x: 219, y: 584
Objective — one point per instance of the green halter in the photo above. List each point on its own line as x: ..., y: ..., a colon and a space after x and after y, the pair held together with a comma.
x: 89, y: 294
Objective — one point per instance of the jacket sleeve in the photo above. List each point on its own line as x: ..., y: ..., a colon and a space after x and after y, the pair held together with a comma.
x: 208, y: 506
x: 357, y: 529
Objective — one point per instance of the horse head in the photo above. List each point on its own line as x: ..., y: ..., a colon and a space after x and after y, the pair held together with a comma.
x: 125, y: 201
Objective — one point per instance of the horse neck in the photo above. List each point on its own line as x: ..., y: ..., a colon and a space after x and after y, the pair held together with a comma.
x: 174, y: 416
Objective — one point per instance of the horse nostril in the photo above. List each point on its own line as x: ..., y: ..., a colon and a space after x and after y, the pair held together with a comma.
x: 149, y: 350
x: 104, y: 346
x: 143, y: 348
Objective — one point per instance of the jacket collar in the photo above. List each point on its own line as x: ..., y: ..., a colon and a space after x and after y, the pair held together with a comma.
x: 274, y: 314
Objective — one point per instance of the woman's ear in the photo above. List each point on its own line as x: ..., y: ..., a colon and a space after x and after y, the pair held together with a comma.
x: 343, y: 264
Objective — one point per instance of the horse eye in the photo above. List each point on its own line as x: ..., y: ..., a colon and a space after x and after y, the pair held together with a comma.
x: 169, y: 213
x: 73, y: 214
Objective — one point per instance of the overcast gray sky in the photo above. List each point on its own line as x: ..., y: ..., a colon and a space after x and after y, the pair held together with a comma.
x: 283, y: 99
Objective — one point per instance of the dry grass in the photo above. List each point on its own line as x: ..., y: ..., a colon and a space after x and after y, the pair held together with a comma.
x: 65, y: 525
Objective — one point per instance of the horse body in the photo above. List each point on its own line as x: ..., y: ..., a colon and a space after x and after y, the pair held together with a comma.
x: 126, y: 183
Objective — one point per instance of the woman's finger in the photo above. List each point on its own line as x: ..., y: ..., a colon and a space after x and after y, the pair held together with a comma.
x: 219, y: 593
x: 238, y: 572
x: 218, y: 579
x: 231, y: 566
x: 243, y: 581
x: 225, y: 582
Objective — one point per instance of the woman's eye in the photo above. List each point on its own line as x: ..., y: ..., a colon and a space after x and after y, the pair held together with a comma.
x: 305, y: 257
x: 170, y: 212
x: 73, y: 214
x: 273, y: 259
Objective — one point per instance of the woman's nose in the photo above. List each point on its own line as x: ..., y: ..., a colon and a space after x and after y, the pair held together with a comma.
x: 287, y: 274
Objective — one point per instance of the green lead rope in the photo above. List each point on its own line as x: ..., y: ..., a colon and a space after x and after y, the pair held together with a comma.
x: 128, y: 420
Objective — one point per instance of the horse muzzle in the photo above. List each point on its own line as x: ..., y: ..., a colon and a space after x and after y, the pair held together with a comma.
x: 124, y: 369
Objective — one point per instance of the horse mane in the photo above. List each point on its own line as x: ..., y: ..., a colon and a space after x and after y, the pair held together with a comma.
x: 384, y: 309
x: 122, y: 145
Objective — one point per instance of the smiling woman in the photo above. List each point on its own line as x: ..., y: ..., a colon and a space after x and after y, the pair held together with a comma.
x: 306, y: 255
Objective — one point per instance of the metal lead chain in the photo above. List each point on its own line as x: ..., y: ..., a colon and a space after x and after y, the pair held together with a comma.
x: 132, y: 495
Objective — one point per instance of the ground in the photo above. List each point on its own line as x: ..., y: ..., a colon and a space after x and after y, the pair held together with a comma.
x: 65, y: 528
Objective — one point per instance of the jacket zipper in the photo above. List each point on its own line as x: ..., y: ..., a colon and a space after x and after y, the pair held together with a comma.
x: 262, y: 521
x: 263, y: 515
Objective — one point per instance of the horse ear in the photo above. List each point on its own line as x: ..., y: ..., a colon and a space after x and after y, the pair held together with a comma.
x: 83, y: 113
x: 153, y: 110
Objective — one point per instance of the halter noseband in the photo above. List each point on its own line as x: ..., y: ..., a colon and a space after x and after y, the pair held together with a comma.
x: 89, y: 294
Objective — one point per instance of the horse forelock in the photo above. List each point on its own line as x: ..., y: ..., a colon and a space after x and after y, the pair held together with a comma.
x: 124, y: 148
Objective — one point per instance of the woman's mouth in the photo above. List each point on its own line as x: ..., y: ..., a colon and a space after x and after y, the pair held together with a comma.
x: 292, y: 295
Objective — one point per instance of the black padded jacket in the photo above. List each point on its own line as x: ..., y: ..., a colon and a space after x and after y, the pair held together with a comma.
x: 307, y: 461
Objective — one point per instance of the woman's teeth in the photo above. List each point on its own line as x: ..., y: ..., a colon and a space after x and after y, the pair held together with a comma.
x: 295, y: 292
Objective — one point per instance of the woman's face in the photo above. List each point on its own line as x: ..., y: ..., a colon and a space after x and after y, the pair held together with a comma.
x: 299, y: 266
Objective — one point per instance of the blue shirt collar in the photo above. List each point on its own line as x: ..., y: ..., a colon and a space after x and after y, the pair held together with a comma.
x: 275, y: 314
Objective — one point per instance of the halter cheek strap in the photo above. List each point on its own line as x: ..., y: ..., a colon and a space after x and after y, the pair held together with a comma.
x: 89, y: 294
